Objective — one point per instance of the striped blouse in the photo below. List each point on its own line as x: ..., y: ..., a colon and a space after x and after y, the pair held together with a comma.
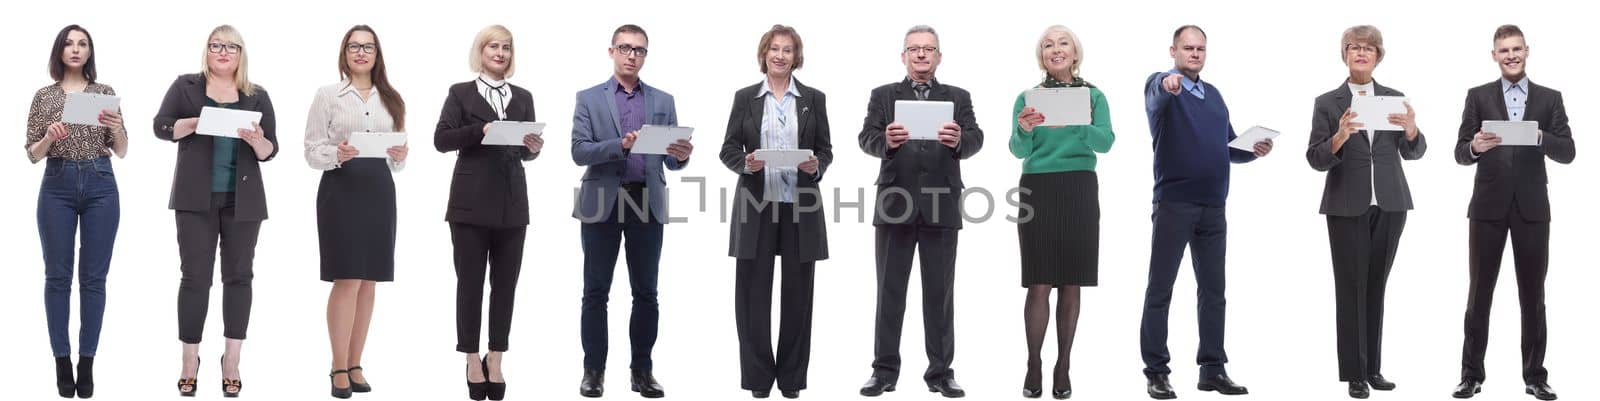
x: 336, y: 112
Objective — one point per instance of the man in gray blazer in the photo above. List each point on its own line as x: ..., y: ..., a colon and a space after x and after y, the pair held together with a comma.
x: 623, y: 195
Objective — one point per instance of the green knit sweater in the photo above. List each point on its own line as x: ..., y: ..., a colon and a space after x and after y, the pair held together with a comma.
x: 1069, y: 148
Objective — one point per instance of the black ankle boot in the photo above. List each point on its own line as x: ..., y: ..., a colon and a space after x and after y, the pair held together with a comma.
x: 64, y: 383
x: 85, y: 376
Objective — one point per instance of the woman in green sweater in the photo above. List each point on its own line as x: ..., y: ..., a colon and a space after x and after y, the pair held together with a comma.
x: 1060, y: 240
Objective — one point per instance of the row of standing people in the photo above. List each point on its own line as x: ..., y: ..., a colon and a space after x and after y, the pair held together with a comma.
x: 217, y: 204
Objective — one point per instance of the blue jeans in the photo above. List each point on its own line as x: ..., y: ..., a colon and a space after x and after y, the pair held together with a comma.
x: 77, y: 193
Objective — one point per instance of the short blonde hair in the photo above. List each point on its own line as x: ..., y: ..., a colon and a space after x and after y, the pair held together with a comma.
x: 1077, y: 48
x: 488, y: 34
x: 241, y: 76
x: 1360, y: 33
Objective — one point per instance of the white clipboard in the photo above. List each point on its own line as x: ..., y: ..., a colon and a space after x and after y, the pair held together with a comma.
x: 217, y: 121
x: 922, y: 118
x: 376, y: 144
x: 654, y: 139
x: 84, y: 108
x: 510, y: 133
x: 1061, y: 106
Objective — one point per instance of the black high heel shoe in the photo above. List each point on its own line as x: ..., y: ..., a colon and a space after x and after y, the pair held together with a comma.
x: 64, y: 383
x: 358, y: 387
x: 1032, y: 382
x: 191, y: 383
x: 480, y: 390
x: 85, y: 376
x: 230, y: 387
x: 339, y: 392
x: 496, y: 391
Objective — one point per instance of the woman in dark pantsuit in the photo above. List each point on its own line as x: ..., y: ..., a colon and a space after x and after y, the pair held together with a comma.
x: 777, y: 213
x: 217, y: 196
x: 1060, y: 242
x: 488, y: 208
x: 1365, y: 199
x: 356, y: 199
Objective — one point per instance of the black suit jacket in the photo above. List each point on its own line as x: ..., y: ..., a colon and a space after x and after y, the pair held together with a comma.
x: 1360, y: 168
x: 191, y: 178
x: 489, y: 187
x: 919, y: 166
x: 743, y: 137
x: 1510, y: 175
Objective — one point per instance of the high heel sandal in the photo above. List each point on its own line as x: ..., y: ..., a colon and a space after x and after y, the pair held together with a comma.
x: 191, y: 383
x: 496, y: 391
x: 358, y: 387
x: 230, y: 387
x: 480, y: 390
x: 339, y: 392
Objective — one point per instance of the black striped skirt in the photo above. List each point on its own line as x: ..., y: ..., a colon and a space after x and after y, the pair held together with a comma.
x: 1060, y: 243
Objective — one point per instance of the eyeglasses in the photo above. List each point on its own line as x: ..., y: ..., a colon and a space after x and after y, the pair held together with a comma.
x: 220, y: 48
x: 1355, y: 48
x: 920, y: 50
x: 626, y: 49
x: 367, y: 48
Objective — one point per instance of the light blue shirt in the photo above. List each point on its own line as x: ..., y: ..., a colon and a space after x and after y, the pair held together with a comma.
x: 1516, y: 94
x: 1192, y: 86
x: 780, y: 130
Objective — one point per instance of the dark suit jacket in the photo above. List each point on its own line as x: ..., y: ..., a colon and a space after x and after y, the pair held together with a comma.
x: 919, y: 165
x: 743, y: 137
x: 1513, y: 174
x: 1360, y: 168
x: 489, y: 187
x: 191, y: 178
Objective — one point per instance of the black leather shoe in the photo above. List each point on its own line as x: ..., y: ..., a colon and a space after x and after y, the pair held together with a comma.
x: 1468, y: 388
x: 494, y: 391
x: 64, y: 383
x: 948, y: 388
x: 1031, y: 392
x: 1358, y: 389
x: 339, y: 392
x: 1061, y: 394
x: 359, y: 387
x: 1160, y: 388
x: 645, y: 384
x: 593, y: 384
x: 790, y: 394
x: 477, y: 391
x: 1539, y: 390
x: 1222, y: 384
x: 876, y: 387
x: 1379, y: 383
x: 760, y: 393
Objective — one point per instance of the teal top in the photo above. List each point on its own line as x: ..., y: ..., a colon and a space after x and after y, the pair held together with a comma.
x: 224, y: 157
x: 1058, y: 149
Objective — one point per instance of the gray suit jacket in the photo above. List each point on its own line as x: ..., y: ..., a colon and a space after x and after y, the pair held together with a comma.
x: 1360, y: 168
x: 597, y: 144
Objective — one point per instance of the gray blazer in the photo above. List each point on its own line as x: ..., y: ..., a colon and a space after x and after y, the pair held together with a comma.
x: 744, y: 136
x: 597, y: 144
x: 1359, y: 168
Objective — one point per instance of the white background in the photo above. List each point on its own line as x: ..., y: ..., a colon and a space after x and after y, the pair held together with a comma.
x: 1269, y: 59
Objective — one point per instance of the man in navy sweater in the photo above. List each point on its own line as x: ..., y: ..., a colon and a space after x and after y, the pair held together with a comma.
x: 1190, y: 128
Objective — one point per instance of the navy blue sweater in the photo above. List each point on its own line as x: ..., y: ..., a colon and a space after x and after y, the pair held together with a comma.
x: 1190, y: 136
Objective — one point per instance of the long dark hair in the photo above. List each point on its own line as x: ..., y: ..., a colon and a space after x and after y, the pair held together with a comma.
x: 380, y: 76
x: 58, y: 69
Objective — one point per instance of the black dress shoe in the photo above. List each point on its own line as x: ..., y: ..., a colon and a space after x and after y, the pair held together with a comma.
x: 593, y: 384
x: 339, y: 392
x: 1222, y: 384
x: 85, y: 376
x: 1468, y: 388
x: 760, y: 393
x: 645, y: 384
x: 359, y: 387
x: 876, y: 387
x: 64, y: 383
x: 1358, y: 389
x: 1061, y: 394
x: 1379, y: 383
x: 947, y: 387
x: 1031, y: 392
x: 1541, y: 391
x: 790, y: 394
x: 495, y: 391
x: 477, y: 391
x: 1159, y: 387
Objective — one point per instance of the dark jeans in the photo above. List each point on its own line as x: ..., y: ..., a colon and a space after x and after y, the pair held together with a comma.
x: 1530, y: 245
x: 752, y: 307
x: 495, y: 253
x: 1363, y: 250
x: 896, y: 244
x: 601, y: 241
x: 1204, y: 230
x: 199, y: 233
x: 77, y: 193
